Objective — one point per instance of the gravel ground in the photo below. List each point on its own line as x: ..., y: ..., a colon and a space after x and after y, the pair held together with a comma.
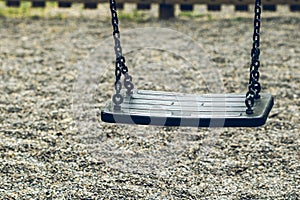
x: 54, y: 72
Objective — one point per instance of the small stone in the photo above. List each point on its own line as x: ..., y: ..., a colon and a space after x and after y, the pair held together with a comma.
x: 14, y: 109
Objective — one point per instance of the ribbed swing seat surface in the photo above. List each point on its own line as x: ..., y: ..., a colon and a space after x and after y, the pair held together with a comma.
x: 176, y: 109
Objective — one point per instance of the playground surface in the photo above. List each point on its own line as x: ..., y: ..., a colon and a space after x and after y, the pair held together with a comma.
x: 51, y: 149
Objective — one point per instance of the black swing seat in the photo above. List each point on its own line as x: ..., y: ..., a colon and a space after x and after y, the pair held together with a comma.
x: 176, y: 109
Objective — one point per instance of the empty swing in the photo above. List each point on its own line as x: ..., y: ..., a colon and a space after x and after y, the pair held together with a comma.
x: 145, y: 107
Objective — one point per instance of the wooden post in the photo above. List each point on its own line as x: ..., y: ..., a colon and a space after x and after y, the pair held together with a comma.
x: 269, y: 7
x: 294, y: 8
x: 62, y: 4
x: 12, y: 3
x: 186, y: 7
x: 38, y: 4
x: 213, y: 7
x: 244, y: 8
x: 166, y: 11
x: 90, y: 5
x: 143, y: 6
x: 120, y: 6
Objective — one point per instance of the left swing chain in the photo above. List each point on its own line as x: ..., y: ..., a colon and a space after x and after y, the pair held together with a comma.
x: 120, y: 67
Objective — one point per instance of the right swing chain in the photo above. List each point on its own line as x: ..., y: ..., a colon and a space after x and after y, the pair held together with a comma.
x: 254, y: 87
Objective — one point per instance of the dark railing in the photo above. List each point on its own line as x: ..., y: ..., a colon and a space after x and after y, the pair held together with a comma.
x: 166, y: 7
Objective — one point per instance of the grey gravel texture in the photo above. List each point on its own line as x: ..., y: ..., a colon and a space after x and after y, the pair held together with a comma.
x: 51, y: 149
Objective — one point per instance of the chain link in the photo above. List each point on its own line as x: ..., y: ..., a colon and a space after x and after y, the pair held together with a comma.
x: 120, y: 67
x: 254, y: 87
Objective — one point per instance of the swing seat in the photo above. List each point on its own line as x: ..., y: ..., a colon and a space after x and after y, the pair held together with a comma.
x: 157, y: 108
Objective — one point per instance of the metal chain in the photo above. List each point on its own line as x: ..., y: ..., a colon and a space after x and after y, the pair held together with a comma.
x: 254, y: 87
x: 120, y: 67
